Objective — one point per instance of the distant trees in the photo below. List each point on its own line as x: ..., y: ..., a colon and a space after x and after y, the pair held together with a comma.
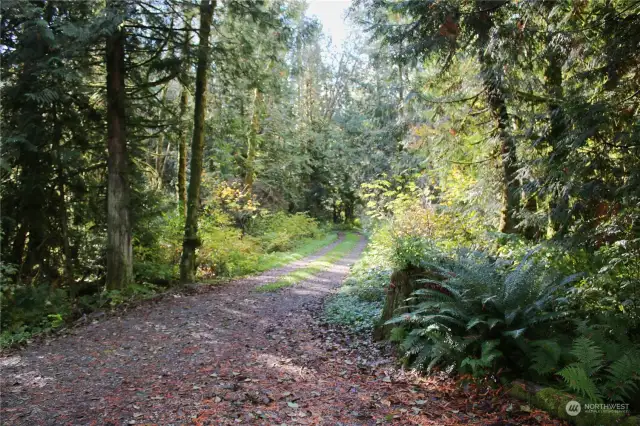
x: 528, y: 85
x: 96, y: 108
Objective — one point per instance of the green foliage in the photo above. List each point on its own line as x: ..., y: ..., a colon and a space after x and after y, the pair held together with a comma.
x: 34, y: 308
x: 486, y: 363
x: 472, y: 300
x: 359, y: 301
x: 545, y: 356
x: 224, y: 252
x: 597, y: 378
x: 279, y: 231
x: 612, y: 287
x: 352, y: 311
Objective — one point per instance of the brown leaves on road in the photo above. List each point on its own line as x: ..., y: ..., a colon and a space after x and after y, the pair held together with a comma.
x: 233, y: 356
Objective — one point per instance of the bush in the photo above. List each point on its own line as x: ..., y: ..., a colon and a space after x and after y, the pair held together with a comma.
x: 613, y: 288
x: 474, y: 317
x: 32, y: 309
x: 281, y: 232
x: 225, y: 252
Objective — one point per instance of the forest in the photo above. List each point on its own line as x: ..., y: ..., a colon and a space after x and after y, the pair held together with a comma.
x: 486, y: 152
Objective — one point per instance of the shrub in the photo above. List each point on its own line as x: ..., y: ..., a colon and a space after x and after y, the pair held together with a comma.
x: 369, y: 285
x: 613, y: 288
x: 34, y: 308
x: 281, y: 232
x: 474, y: 317
x: 225, y: 252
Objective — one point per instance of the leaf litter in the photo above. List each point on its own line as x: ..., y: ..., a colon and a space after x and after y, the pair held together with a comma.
x: 229, y: 355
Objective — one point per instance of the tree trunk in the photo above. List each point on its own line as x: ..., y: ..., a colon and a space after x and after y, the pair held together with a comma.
x: 182, y: 162
x: 252, y: 142
x: 160, y: 156
x: 64, y: 222
x: 119, y: 248
x: 19, y: 241
x: 559, y: 202
x: 184, y: 134
x: 400, y: 288
x: 191, y: 241
x: 498, y: 108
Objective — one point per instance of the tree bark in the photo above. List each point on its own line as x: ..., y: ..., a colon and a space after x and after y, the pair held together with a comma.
x: 559, y: 201
x: 191, y: 240
x: 182, y: 161
x: 498, y: 107
x: 160, y: 156
x: 119, y: 247
x: 252, y: 142
x: 184, y: 135
x: 64, y: 221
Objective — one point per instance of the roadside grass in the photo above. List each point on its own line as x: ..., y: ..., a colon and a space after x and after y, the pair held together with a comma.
x: 302, y: 274
x: 274, y: 260
x: 302, y: 250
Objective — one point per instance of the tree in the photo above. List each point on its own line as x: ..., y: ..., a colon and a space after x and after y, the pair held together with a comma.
x: 191, y: 241
x: 425, y: 30
x: 119, y: 247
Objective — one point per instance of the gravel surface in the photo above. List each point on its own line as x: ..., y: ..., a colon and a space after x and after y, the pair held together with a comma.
x: 230, y: 355
x: 154, y: 364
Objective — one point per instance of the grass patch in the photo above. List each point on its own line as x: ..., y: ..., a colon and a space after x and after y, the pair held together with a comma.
x: 302, y: 274
x: 304, y: 249
x: 267, y: 261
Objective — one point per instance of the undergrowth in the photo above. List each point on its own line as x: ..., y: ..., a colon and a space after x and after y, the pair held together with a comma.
x: 359, y: 301
x: 28, y: 311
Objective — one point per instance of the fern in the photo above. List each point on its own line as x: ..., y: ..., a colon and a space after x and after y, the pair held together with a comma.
x: 398, y: 334
x: 623, y: 377
x: 590, y: 357
x: 545, y: 356
x: 577, y: 379
x: 474, y: 302
x: 488, y: 355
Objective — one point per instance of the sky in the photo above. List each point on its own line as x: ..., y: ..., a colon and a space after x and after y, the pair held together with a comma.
x: 331, y: 13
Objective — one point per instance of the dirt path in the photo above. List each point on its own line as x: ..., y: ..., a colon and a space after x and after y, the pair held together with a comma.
x: 230, y: 356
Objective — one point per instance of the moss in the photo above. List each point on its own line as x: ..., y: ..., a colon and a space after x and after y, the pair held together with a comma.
x: 518, y: 390
x: 554, y: 401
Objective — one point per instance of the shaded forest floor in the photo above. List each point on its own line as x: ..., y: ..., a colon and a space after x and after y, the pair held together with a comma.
x: 230, y: 355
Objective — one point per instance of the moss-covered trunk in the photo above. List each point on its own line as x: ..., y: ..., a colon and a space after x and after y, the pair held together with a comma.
x: 184, y: 134
x: 559, y: 201
x: 491, y: 80
x: 182, y: 160
x: 400, y: 288
x: 191, y: 240
x: 252, y: 141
